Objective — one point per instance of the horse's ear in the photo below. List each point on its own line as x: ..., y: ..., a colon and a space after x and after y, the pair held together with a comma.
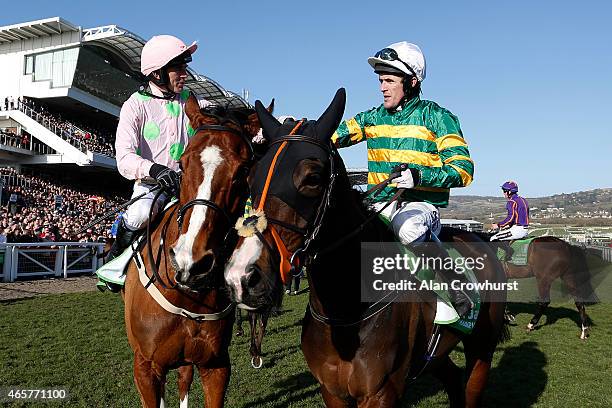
x: 192, y: 108
x: 330, y: 119
x: 253, y: 124
x: 269, y: 124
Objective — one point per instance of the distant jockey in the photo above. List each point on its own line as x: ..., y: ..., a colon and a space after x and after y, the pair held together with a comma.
x: 515, y: 225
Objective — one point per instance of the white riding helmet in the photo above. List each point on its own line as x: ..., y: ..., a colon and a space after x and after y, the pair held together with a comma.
x: 403, y: 56
x: 160, y: 50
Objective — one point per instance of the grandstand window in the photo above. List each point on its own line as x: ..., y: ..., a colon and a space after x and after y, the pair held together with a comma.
x: 57, y: 66
x: 29, y: 64
x: 43, y: 66
x: 64, y: 64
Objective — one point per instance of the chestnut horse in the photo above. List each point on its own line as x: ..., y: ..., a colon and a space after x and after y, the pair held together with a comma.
x: 362, y: 354
x: 181, y: 263
x: 550, y: 258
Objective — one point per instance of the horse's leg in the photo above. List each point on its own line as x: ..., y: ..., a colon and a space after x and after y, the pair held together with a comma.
x: 331, y: 401
x: 509, y: 318
x: 540, y: 309
x: 584, y: 321
x: 149, y: 379
x: 185, y: 378
x: 258, y: 327
x: 451, y: 377
x: 215, y: 381
x: 239, y: 331
x: 479, y: 348
x: 544, y: 284
x: 253, y: 318
x: 477, y: 367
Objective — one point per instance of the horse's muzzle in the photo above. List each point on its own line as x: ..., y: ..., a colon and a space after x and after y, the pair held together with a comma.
x: 198, y: 275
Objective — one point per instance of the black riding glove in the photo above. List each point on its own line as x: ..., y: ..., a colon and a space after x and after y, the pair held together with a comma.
x: 168, y: 179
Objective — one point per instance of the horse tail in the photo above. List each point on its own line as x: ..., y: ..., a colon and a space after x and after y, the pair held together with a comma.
x: 580, y: 277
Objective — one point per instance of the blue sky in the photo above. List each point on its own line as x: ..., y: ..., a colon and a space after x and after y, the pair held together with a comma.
x: 531, y: 82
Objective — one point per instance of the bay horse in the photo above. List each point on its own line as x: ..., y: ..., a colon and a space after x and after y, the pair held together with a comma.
x: 362, y: 354
x: 189, y: 321
x: 550, y: 258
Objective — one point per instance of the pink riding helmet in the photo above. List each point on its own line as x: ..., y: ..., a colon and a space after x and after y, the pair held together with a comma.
x: 160, y: 50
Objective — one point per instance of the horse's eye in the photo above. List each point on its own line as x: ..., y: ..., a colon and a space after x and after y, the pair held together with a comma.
x: 243, y: 172
x: 313, y: 179
x: 241, y: 175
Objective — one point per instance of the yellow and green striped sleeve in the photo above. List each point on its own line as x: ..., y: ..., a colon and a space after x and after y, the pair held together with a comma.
x: 349, y: 132
x: 457, y: 168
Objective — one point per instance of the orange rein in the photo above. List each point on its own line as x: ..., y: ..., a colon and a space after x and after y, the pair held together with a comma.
x: 285, y: 255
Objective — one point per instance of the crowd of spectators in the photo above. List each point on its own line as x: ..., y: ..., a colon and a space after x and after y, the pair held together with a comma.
x: 8, y: 137
x: 35, y: 208
x: 85, y: 136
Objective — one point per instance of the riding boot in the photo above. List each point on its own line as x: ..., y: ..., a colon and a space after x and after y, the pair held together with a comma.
x: 459, y: 299
x: 125, y: 236
x: 456, y: 281
x: 508, y: 249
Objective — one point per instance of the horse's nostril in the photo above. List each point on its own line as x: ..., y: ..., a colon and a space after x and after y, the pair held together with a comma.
x: 206, y: 264
x: 254, y: 277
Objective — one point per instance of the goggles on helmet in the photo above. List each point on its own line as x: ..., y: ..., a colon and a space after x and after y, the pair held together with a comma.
x: 389, y: 54
x: 184, y: 58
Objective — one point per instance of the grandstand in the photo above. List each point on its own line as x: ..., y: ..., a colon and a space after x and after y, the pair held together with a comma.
x: 62, y: 88
x: 61, y: 91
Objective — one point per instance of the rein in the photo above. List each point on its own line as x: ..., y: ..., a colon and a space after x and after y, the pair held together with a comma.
x: 116, y: 210
x: 156, y: 261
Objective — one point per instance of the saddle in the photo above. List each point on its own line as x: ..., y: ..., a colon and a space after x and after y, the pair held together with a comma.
x: 516, y: 251
x: 115, y: 270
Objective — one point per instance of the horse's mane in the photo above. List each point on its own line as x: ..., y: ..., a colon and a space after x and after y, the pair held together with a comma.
x: 224, y: 112
x: 485, y: 236
x: 358, y: 199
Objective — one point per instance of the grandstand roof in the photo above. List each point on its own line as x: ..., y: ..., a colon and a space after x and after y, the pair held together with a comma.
x: 35, y: 29
x: 123, y: 43
x: 130, y: 45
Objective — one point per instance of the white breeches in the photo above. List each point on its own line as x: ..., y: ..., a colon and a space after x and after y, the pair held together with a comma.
x: 411, y: 221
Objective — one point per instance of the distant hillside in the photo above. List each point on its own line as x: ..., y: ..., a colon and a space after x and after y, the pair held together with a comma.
x: 593, y: 207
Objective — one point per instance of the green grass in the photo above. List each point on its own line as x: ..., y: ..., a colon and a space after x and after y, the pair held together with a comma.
x: 77, y: 342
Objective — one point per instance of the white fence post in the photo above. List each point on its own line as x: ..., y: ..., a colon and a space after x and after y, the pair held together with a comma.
x: 57, y: 269
x: 14, y: 262
x: 65, y: 258
x: 6, y: 267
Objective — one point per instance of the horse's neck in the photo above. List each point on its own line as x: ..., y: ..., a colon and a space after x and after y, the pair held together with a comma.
x: 335, y: 275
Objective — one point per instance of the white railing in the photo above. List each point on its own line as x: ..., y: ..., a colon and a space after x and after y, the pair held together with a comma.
x: 604, y: 252
x: 59, y: 259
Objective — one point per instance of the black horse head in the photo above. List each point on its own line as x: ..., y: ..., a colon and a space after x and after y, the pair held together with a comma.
x: 289, y: 185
